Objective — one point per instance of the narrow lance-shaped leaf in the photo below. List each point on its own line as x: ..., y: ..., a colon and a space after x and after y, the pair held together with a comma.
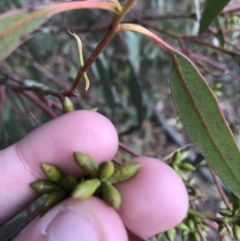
x: 106, y: 83
x: 211, y: 10
x: 136, y: 97
x: 17, y: 25
x: 81, y: 61
x: 200, y: 114
x: 203, y: 120
x: 219, y: 35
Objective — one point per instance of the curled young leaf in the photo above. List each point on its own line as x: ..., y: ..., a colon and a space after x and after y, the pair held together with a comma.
x: 79, y: 43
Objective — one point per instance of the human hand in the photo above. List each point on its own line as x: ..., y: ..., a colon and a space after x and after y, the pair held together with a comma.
x: 153, y: 201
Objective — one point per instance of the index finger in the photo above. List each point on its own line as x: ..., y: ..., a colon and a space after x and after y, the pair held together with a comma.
x: 54, y: 142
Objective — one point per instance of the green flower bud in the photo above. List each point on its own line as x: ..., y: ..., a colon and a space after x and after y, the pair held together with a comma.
x: 44, y: 186
x: 179, y: 156
x: 183, y: 227
x: 170, y: 234
x: 236, y: 204
x: 191, y: 181
x: 125, y: 172
x: 52, y: 172
x: 54, y: 198
x: 191, y: 192
x: 236, y: 207
x: 186, y: 166
x: 86, y: 162
x: 191, y: 224
x: 105, y: 170
x: 86, y: 189
x: 221, y: 229
x: 176, y: 156
x: 158, y: 236
x: 225, y: 212
x: 181, y: 174
x: 236, y: 232
x: 204, y: 228
x: 69, y: 182
x: 196, y: 219
x: 111, y: 195
x: 67, y: 105
x: 175, y: 167
x: 195, y: 236
x: 184, y: 235
x: 236, y: 212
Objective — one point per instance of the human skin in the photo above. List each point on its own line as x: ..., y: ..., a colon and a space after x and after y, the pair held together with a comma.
x: 153, y: 201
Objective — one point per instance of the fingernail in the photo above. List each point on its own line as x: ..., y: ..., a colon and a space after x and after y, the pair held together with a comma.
x: 70, y: 225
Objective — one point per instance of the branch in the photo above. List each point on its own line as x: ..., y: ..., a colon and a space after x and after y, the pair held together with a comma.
x: 127, y: 149
x: 220, y: 190
x: 40, y: 104
x: 27, y: 110
x: 103, y: 43
x: 231, y: 9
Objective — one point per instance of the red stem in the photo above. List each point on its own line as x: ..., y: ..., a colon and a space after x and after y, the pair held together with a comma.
x: 40, y: 104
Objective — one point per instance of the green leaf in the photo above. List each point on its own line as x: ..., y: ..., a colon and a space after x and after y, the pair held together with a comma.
x: 106, y: 82
x: 211, y: 10
x: 136, y: 97
x: 17, y: 25
x: 219, y: 35
x: 203, y: 120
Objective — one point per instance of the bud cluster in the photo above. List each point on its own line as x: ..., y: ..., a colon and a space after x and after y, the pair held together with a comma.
x: 188, y: 230
x: 180, y: 165
x: 231, y: 216
x: 100, y: 180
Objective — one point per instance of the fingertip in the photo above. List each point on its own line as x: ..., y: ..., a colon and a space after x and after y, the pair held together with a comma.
x: 89, y: 220
x: 155, y: 200
x: 83, y: 130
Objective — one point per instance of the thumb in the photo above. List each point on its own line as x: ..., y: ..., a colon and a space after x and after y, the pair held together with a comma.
x: 88, y: 220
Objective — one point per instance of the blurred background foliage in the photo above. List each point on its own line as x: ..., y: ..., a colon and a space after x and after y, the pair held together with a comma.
x: 130, y: 79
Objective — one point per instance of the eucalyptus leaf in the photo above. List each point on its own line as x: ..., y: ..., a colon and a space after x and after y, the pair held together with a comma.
x: 136, y: 97
x: 211, y: 10
x: 106, y: 83
x: 203, y: 120
x: 17, y: 25
x: 219, y: 35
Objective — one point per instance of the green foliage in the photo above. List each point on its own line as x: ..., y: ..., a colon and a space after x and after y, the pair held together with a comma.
x: 199, y: 112
x: 17, y: 25
x: 12, y: 39
x: 211, y: 10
